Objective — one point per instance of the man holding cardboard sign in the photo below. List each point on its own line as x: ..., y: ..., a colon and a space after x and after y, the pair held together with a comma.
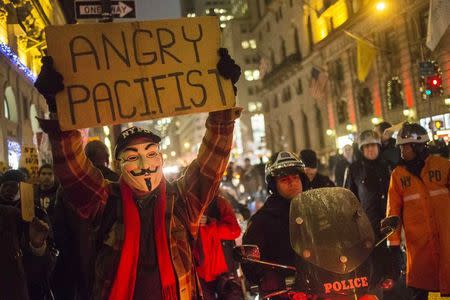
x: 146, y: 225
x: 26, y: 255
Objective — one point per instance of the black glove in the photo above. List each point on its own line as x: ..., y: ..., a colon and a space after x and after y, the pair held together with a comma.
x: 49, y: 82
x: 228, y: 68
x: 395, y: 262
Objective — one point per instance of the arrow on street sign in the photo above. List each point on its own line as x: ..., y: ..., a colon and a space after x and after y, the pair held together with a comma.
x: 93, y: 9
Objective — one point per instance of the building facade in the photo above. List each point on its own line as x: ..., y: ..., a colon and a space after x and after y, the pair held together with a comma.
x: 22, y: 44
x: 312, y: 92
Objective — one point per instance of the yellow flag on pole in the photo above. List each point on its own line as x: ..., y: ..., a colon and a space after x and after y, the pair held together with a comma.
x: 365, y: 55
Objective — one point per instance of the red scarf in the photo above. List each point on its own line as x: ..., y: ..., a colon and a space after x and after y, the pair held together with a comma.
x: 124, y: 283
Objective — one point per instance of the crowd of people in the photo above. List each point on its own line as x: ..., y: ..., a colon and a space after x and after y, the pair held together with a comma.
x: 134, y: 235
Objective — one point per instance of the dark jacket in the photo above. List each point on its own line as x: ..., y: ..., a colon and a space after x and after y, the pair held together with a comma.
x: 75, y: 238
x: 340, y: 171
x: 390, y: 153
x: 46, y: 200
x: 369, y: 181
x: 23, y: 275
x: 269, y: 230
x: 319, y: 181
x: 108, y: 173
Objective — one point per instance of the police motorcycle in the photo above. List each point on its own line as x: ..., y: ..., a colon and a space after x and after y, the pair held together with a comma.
x: 333, y: 239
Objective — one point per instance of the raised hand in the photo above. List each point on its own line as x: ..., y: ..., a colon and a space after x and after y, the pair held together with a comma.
x: 49, y: 82
x: 228, y: 68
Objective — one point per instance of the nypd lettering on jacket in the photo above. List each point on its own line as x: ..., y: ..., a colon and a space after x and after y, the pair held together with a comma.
x: 345, y: 285
x: 433, y: 176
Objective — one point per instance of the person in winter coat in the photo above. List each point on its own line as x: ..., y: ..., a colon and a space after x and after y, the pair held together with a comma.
x: 75, y: 237
x: 388, y: 151
x: 341, y: 168
x: 419, y: 195
x: 146, y: 225
x: 97, y: 152
x: 218, y: 226
x: 26, y: 255
x: 268, y: 228
x: 311, y: 179
x: 45, y: 191
x: 368, y: 179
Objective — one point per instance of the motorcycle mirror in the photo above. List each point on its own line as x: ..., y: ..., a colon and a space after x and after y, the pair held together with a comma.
x: 245, y: 252
x: 388, y: 226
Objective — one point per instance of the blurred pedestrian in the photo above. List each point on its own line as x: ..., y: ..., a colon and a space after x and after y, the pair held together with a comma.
x: 311, y: 179
x: 213, y: 251
x: 388, y: 151
x: 45, y: 191
x: 9, y: 187
x: 419, y: 194
x: 27, y: 255
x: 97, y: 152
x: 342, y: 164
x: 251, y: 179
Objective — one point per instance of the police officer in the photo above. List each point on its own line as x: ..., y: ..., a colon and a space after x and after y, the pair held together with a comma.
x: 419, y: 194
x: 269, y: 227
x: 368, y: 178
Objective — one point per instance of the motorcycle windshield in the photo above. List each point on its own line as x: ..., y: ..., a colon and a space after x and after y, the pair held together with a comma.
x: 329, y: 229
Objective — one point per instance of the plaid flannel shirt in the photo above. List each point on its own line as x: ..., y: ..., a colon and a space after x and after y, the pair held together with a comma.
x: 88, y: 191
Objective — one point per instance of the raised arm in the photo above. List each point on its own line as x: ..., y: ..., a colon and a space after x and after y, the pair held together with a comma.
x: 202, y: 177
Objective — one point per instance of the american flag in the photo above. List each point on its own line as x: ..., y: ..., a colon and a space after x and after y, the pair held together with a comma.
x: 318, y: 84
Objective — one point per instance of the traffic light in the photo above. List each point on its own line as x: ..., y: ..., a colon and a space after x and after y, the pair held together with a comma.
x: 431, y: 80
x: 433, y: 85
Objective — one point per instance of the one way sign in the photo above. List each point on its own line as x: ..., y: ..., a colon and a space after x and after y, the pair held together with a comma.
x: 93, y: 9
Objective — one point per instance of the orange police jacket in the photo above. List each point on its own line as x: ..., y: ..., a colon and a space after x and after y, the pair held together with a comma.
x: 424, y: 207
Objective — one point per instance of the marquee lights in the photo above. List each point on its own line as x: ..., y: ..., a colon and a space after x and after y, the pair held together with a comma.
x: 7, y: 52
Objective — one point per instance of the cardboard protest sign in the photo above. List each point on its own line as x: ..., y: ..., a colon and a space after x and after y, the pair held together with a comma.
x: 3, y: 167
x: 30, y: 161
x: 27, y: 201
x: 124, y: 72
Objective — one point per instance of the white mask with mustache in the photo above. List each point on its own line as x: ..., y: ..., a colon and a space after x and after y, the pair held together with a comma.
x: 141, y: 166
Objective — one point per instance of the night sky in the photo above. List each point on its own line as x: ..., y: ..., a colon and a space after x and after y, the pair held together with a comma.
x: 157, y: 9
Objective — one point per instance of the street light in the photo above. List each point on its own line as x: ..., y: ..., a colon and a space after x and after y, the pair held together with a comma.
x: 330, y: 132
x: 447, y: 101
x: 376, y: 120
x: 349, y: 127
x: 380, y: 6
x: 406, y: 112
